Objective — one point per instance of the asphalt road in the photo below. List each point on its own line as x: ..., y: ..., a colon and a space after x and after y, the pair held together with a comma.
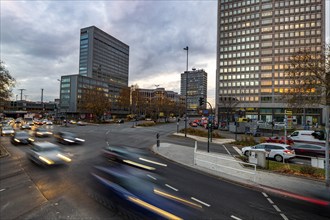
x: 66, y: 193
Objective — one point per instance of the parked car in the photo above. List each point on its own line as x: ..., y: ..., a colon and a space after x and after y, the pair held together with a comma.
x: 7, y: 130
x: 68, y: 138
x: 46, y: 154
x: 193, y: 124
x: 281, y: 140
x: 42, y: 132
x: 273, y: 151
x: 21, y: 137
x: 306, y: 136
x: 279, y: 124
x: 312, y: 150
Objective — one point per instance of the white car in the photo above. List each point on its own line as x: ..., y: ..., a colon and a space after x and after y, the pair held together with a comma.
x: 7, y: 130
x: 46, y: 154
x: 273, y: 150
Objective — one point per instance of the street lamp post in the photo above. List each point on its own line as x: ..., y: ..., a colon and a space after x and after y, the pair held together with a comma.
x: 185, y: 121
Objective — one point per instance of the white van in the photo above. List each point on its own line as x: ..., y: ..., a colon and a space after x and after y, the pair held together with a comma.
x: 305, y: 136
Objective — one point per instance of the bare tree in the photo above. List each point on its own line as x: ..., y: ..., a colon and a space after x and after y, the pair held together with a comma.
x: 7, y: 82
x: 95, y: 101
x: 228, y: 105
x: 309, y: 76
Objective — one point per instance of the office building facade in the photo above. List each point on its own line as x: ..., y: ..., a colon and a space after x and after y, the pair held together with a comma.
x: 103, y: 65
x: 255, y: 39
x: 194, y: 86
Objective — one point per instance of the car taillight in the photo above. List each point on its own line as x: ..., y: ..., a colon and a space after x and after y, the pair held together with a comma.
x: 289, y: 151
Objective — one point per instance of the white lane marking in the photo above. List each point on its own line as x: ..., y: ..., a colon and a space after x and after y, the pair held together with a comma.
x: 171, y: 187
x: 238, y: 150
x: 152, y: 177
x: 270, y: 201
x: 2, y: 190
x: 276, y: 208
x: 234, y: 217
x: 154, y: 162
x: 201, y: 202
x: 107, y: 132
x: 107, y: 143
x: 284, y: 217
x: 226, y: 149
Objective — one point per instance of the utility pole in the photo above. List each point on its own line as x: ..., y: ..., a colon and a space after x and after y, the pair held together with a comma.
x: 21, y: 93
x: 185, y: 119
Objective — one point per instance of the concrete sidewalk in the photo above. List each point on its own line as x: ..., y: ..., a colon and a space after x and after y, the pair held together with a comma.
x: 287, y: 185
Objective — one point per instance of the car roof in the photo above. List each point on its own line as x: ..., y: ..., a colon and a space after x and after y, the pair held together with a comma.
x: 277, y: 144
x: 45, y: 144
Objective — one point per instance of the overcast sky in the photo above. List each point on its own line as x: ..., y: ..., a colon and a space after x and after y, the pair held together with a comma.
x: 40, y: 40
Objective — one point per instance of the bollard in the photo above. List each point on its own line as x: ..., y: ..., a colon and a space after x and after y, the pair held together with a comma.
x: 158, y: 142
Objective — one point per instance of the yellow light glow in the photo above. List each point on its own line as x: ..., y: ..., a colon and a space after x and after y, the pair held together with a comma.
x: 139, y: 165
x: 49, y: 162
x: 64, y: 158
x: 154, y: 208
x: 169, y: 196
x: 17, y: 140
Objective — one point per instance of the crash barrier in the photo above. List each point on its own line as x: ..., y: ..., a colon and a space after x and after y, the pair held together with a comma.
x: 225, y: 164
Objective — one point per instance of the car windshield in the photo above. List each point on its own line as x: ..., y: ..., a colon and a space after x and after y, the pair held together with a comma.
x: 7, y: 128
x: 42, y: 130
x: 22, y: 135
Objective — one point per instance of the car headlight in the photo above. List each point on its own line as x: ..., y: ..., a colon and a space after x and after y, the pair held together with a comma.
x: 64, y: 157
x: 68, y: 140
x: 17, y: 140
x: 30, y: 139
x: 48, y: 161
x: 78, y: 139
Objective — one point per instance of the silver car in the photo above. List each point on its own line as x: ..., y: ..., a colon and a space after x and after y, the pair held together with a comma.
x: 7, y: 130
x: 47, y: 154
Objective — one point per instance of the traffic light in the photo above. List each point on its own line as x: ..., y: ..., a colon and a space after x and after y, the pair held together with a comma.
x: 201, y: 101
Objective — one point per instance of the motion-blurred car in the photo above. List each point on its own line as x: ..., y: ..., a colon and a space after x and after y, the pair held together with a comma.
x: 81, y: 123
x: 46, y: 154
x: 42, y: 132
x: 26, y: 126
x: 312, y: 150
x: 21, y: 137
x: 68, y: 138
x: 120, y: 121
x: 7, y: 130
x: 130, y: 156
x: 280, y: 140
x: 141, y: 197
x: 72, y: 122
x: 38, y: 122
x: 49, y: 123
x: 273, y: 150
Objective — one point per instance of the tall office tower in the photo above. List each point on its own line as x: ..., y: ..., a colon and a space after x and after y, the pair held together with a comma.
x: 103, y: 57
x: 103, y: 65
x: 195, y: 83
x: 255, y: 39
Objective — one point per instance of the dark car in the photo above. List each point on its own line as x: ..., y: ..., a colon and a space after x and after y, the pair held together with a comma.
x: 120, y: 121
x: 42, y: 132
x: 130, y: 156
x: 312, y: 150
x: 280, y: 140
x: 21, y: 138
x: 68, y: 138
x: 141, y: 197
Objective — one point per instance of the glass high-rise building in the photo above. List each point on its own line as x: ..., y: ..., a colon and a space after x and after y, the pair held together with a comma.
x: 194, y: 85
x: 103, y: 66
x: 255, y: 38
